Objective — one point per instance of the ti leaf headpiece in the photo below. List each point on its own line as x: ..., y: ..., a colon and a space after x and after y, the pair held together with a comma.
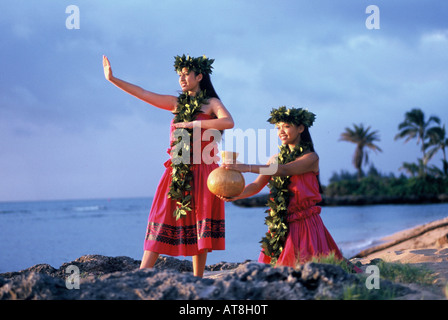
x: 295, y: 116
x: 198, y: 65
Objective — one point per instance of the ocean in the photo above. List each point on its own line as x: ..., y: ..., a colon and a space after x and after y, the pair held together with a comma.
x: 55, y: 232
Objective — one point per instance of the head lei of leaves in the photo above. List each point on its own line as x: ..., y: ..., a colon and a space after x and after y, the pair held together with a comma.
x: 274, y: 241
x: 296, y: 116
x: 198, y: 65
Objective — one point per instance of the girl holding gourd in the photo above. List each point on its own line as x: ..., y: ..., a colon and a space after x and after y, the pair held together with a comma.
x: 296, y: 231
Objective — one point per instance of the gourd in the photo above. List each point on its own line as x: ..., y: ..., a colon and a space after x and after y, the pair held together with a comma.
x: 226, y: 182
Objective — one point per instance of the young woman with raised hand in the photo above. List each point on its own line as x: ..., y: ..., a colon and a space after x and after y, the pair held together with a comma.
x: 185, y: 217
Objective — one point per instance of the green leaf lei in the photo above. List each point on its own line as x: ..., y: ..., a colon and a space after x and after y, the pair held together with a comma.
x: 188, y: 107
x: 198, y: 65
x: 274, y: 241
x: 295, y: 116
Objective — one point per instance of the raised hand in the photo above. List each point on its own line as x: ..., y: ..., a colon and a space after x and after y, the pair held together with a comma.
x: 167, y: 102
x: 107, y: 68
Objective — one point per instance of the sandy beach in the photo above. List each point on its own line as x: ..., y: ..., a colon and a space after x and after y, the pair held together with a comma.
x: 425, y: 245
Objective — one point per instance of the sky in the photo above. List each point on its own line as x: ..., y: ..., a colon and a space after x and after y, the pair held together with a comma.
x: 67, y: 133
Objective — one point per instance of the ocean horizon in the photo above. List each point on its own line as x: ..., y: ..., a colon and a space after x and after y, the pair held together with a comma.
x: 59, y: 231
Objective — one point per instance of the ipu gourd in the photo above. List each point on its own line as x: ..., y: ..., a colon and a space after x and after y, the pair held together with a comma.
x: 225, y: 182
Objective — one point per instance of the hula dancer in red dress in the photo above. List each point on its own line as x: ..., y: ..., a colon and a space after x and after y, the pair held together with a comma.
x: 296, y: 231
x: 186, y: 218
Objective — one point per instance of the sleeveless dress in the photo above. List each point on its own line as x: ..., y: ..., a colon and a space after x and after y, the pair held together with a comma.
x: 204, y: 227
x: 307, y: 235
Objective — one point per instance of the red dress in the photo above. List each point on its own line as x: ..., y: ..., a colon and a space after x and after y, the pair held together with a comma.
x: 307, y: 235
x: 204, y: 227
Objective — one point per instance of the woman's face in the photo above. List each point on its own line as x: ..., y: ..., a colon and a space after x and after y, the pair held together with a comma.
x: 189, y: 81
x: 289, y: 133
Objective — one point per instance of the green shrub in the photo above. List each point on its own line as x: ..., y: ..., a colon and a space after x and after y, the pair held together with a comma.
x: 375, y: 184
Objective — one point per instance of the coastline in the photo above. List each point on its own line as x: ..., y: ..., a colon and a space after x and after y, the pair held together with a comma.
x: 262, y: 199
x: 424, y: 246
x: 430, y: 235
x: 105, y: 277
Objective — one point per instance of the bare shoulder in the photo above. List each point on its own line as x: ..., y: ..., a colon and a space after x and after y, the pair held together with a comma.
x: 216, y: 107
x: 309, y: 156
x: 215, y: 103
x: 310, y: 160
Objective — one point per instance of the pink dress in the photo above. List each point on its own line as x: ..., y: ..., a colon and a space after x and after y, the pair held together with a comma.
x: 307, y: 236
x: 204, y: 227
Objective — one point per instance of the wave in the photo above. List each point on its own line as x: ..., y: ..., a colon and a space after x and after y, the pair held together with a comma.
x: 89, y: 208
x: 351, y: 248
x: 13, y: 211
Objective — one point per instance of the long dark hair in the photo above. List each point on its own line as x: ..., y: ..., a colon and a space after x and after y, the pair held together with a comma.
x: 306, y: 137
x: 206, y: 84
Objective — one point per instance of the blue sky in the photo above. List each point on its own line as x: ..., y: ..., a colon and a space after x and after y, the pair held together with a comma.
x: 65, y: 132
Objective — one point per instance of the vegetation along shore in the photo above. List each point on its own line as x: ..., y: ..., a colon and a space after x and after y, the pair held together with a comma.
x: 420, y: 181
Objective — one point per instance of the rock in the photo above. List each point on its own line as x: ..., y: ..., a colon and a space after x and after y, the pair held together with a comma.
x: 171, y: 279
x: 376, y: 261
x: 443, y: 241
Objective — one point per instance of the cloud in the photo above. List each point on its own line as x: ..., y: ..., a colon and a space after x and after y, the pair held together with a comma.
x: 54, y: 99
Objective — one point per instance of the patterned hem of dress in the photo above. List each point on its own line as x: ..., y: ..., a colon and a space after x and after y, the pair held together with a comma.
x: 185, y: 235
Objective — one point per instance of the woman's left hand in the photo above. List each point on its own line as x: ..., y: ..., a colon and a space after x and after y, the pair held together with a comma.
x: 185, y: 125
x: 226, y: 199
x: 241, y: 167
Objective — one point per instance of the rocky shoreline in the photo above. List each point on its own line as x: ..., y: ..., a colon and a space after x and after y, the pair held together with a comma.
x: 118, y: 278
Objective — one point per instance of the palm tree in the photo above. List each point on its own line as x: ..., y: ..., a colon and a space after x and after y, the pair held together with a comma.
x: 415, y: 126
x: 414, y: 169
x: 362, y: 138
x: 437, y: 141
